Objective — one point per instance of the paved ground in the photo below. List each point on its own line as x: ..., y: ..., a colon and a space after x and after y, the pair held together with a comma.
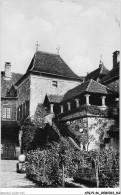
x: 11, y: 179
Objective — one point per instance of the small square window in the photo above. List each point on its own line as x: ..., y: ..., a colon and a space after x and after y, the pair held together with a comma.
x: 55, y: 83
x: 107, y: 140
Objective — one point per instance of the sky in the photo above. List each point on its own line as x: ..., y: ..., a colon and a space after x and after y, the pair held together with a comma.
x: 84, y: 30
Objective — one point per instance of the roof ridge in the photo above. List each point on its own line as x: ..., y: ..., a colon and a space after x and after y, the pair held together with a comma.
x: 101, y: 68
x: 100, y: 84
x: 34, y: 60
x: 48, y: 53
x: 89, y: 84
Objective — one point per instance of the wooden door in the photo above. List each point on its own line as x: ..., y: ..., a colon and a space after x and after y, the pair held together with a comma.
x: 7, y: 149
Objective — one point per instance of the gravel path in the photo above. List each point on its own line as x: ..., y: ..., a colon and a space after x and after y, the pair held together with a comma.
x: 11, y: 179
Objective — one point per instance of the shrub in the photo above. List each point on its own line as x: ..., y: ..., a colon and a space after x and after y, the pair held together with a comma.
x: 108, y: 168
x: 45, y: 165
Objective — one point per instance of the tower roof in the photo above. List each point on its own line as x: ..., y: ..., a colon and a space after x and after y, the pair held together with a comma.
x: 51, y: 64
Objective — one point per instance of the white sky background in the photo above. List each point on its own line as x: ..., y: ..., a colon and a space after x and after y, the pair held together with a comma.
x: 84, y: 29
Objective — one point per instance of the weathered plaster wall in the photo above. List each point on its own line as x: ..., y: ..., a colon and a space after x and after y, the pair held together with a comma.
x: 40, y: 86
x: 79, y: 128
x: 88, y: 131
x: 97, y: 126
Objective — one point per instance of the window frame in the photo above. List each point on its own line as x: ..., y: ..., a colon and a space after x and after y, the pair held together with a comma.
x: 6, y: 112
x: 55, y: 83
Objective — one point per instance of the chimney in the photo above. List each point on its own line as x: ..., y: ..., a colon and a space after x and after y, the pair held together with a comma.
x: 116, y: 56
x: 7, y: 70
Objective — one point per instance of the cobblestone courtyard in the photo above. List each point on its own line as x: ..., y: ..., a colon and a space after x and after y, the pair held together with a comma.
x: 11, y: 179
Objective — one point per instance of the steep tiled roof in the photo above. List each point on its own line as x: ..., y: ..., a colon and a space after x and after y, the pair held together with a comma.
x: 114, y: 73
x: 51, y: 64
x: 90, y: 86
x: 54, y: 98
x: 101, y: 71
x: 114, y: 86
x: 7, y: 84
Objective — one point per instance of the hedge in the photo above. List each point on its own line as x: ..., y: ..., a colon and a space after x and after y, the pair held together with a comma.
x: 44, y: 166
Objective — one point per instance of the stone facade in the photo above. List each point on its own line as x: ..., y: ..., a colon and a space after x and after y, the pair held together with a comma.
x: 41, y: 85
x: 115, y: 143
x: 97, y: 132
x: 24, y: 91
x: 31, y: 89
x: 91, y: 131
x: 34, y: 89
x: 79, y: 127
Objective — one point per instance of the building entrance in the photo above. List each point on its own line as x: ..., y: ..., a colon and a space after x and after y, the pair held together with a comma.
x: 8, y: 149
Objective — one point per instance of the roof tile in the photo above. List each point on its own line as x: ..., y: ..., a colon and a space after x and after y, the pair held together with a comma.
x: 101, y: 71
x: 113, y: 73
x: 90, y: 86
x: 51, y: 64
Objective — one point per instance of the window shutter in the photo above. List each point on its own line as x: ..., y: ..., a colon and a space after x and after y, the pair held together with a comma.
x: 18, y: 113
x: 13, y: 113
x: 27, y: 108
x: 21, y: 111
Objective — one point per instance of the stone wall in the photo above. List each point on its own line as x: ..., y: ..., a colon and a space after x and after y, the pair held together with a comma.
x: 79, y: 128
x: 97, y: 131
x: 41, y: 85
x: 115, y: 143
x: 24, y: 91
x: 91, y: 131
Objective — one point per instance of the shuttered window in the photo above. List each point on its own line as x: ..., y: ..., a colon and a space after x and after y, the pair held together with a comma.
x: 27, y: 108
x: 23, y: 110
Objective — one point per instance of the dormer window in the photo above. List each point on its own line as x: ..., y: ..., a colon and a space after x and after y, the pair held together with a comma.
x: 54, y: 83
